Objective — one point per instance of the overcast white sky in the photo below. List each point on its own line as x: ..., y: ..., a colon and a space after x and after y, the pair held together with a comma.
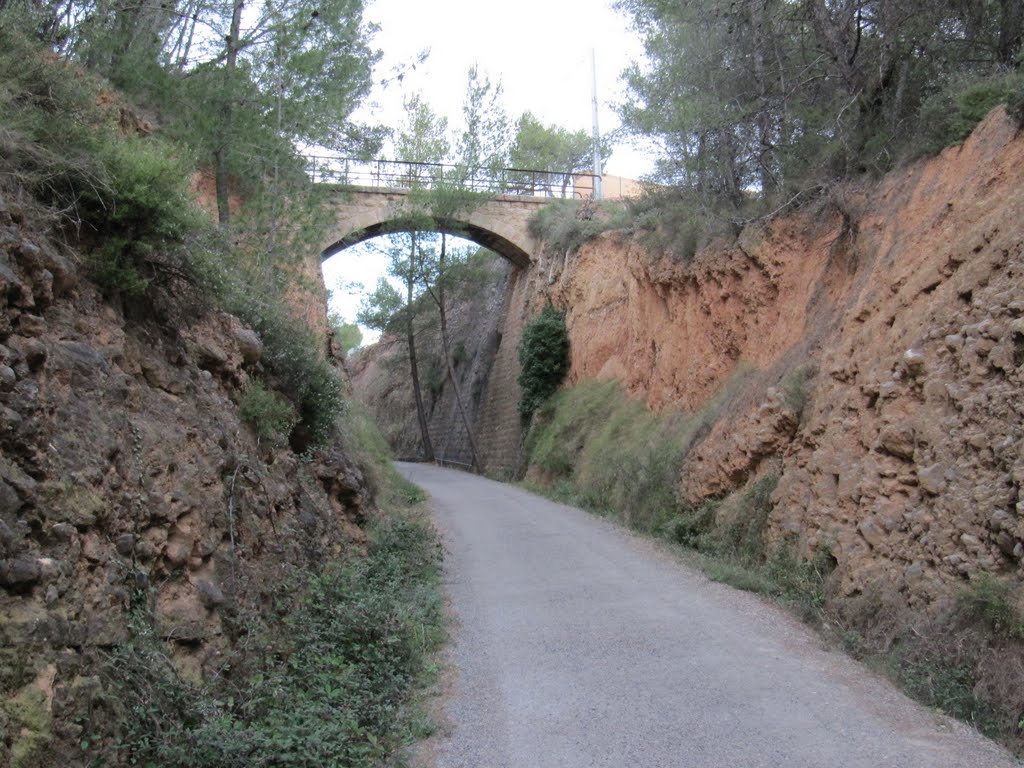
x: 540, y: 51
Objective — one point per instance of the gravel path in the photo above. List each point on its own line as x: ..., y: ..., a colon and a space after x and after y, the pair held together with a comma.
x: 579, y: 645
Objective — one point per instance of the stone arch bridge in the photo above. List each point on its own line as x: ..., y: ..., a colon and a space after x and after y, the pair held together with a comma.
x: 500, y: 224
x: 366, y: 200
x: 369, y: 199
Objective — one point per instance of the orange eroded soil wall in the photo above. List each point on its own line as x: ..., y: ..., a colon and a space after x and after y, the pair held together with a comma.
x: 907, y: 299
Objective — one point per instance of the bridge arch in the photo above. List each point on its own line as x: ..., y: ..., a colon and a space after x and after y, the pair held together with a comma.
x: 500, y: 224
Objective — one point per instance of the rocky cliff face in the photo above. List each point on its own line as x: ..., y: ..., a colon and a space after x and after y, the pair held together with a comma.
x: 886, y: 333
x: 127, y: 481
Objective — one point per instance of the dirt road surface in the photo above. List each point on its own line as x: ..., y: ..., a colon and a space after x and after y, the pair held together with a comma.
x: 579, y: 645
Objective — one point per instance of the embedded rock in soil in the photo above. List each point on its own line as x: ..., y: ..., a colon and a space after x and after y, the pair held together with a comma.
x: 126, y: 474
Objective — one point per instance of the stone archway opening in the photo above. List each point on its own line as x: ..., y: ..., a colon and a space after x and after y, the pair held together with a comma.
x: 485, y: 238
x: 500, y: 224
x: 352, y: 269
x: 457, y: 335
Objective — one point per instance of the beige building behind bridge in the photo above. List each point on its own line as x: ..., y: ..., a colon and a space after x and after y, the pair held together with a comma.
x: 612, y: 187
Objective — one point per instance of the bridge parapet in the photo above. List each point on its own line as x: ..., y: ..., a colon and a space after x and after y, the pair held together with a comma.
x: 395, y: 174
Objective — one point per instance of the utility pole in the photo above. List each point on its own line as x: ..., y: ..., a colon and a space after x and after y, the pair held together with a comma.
x: 597, y: 133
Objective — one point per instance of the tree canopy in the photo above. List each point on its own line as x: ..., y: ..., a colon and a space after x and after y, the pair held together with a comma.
x: 484, y: 142
x: 241, y: 89
x: 348, y: 335
x: 554, y: 150
x: 771, y: 97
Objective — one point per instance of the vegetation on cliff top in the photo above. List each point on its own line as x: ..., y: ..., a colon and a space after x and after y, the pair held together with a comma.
x: 562, y: 226
x: 238, y: 91
x: 758, y: 104
x: 758, y: 107
x: 120, y: 194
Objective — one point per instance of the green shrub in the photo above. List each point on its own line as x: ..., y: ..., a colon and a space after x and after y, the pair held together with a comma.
x: 670, y: 221
x: 564, y: 426
x: 140, y: 221
x: 565, y: 225
x: 692, y: 525
x: 327, y: 682
x: 940, y: 667
x: 543, y: 358
x: 802, y: 583
x: 631, y: 463
x: 295, y: 362
x: 949, y: 116
x: 49, y: 125
x: 114, y: 271
x: 619, y: 456
x: 941, y: 682
x: 361, y: 438
x: 963, y: 661
x: 320, y: 404
x: 732, y: 528
x: 124, y: 200
x: 991, y: 602
x: 743, y: 536
x: 736, y: 575
x: 270, y: 416
x: 794, y: 386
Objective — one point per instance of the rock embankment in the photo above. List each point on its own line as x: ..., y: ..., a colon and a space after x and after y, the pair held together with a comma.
x: 128, y: 482
x: 885, y: 334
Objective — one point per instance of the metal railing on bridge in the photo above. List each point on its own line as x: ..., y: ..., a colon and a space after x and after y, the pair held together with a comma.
x: 395, y: 174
